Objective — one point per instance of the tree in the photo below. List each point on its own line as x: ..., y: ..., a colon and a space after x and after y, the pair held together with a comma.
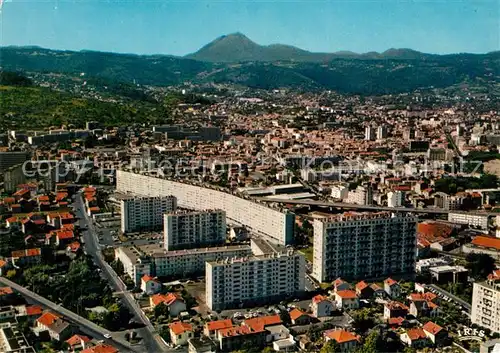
x: 372, y: 343
x: 161, y: 310
x: 363, y: 319
x: 11, y: 274
x: 480, y: 265
x: 330, y: 347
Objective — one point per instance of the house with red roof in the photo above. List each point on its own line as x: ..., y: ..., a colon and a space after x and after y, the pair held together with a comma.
x: 235, y: 337
x: 340, y: 284
x: 395, y: 309
x: 415, y: 338
x: 33, y: 312
x: 363, y: 290
x: 4, y: 267
x: 299, y: 317
x: 150, y: 285
x: 26, y: 257
x: 78, y: 342
x: 261, y: 322
x: 435, y: 333
x: 210, y: 329
x: 346, y: 340
x: 6, y: 295
x: 57, y: 328
x: 424, y: 304
x: 392, y: 288
x: 180, y: 332
x: 13, y: 222
x: 378, y: 291
x: 173, y: 301
x: 346, y: 299
x: 322, y: 306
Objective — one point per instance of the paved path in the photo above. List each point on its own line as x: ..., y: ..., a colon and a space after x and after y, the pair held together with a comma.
x: 456, y: 299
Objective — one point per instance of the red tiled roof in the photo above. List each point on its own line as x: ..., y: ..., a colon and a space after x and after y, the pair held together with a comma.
x: 168, y: 299
x: 296, y: 313
x: 219, y: 324
x: 338, y: 282
x: 347, y: 294
x: 416, y: 334
x: 494, y: 275
x: 237, y: 331
x: 48, y: 318
x: 77, y: 339
x: 259, y: 323
x: 2, y: 263
x: 102, y: 348
x: 395, y: 321
x: 341, y: 336
x: 319, y: 298
x: 432, y: 328
x: 180, y: 327
x: 486, y: 242
x: 65, y: 234
x: 147, y: 278
x: 361, y: 285
x: 390, y: 282
x: 396, y: 306
x: 33, y: 310
x: 74, y: 246
x: 5, y: 291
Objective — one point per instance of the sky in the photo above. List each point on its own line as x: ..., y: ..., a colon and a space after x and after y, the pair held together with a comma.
x: 181, y: 27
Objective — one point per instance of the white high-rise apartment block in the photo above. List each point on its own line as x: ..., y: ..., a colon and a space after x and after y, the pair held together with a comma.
x: 381, y: 132
x: 395, y: 198
x: 486, y: 304
x: 145, y: 213
x: 364, y: 245
x: 184, y: 230
x: 340, y: 192
x: 369, y: 133
x: 274, y: 224
x: 255, y: 279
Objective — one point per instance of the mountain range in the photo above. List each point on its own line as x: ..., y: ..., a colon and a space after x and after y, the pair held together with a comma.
x: 237, y: 47
x: 234, y: 59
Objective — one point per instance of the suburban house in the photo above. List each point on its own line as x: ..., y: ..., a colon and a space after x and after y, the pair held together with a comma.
x: 346, y: 340
x: 299, y: 317
x: 415, y: 338
x: 210, y: 329
x: 378, y: 291
x: 57, y: 328
x: 392, y: 288
x: 435, y: 333
x: 340, y: 284
x: 363, y: 290
x: 100, y: 348
x: 395, y: 309
x: 78, y: 342
x: 173, y: 301
x: 321, y: 306
x: 26, y: 257
x: 422, y: 304
x: 150, y: 285
x: 346, y: 299
x: 233, y: 338
x: 180, y: 332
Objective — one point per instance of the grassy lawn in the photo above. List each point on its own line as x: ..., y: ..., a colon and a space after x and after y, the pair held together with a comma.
x: 308, y: 253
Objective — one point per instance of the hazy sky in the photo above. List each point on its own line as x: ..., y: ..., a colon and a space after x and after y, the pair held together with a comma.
x: 181, y: 27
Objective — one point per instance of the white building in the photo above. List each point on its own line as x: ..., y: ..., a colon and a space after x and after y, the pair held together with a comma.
x: 184, y: 230
x: 395, y: 198
x: 263, y: 278
x: 152, y: 259
x: 363, y: 195
x: 486, y: 304
x: 145, y: 213
x: 340, y: 192
x: 473, y: 220
x: 364, y: 245
x: 369, y: 133
x: 276, y: 225
x: 381, y: 132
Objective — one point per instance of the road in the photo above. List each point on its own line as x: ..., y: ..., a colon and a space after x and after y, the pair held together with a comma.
x: 456, y: 299
x: 372, y: 208
x: 84, y: 325
x: 151, y: 340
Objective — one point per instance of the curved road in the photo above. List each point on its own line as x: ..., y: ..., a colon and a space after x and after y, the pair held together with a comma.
x: 152, y: 341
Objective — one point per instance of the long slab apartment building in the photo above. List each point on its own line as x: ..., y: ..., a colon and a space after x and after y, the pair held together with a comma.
x: 275, y: 225
x: 156, y: 261
x: 254, y: 280
x: 145, y: 213
x: 364, y: 245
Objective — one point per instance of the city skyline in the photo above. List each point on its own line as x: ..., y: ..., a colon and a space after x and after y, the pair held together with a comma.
x: 182, y: 27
